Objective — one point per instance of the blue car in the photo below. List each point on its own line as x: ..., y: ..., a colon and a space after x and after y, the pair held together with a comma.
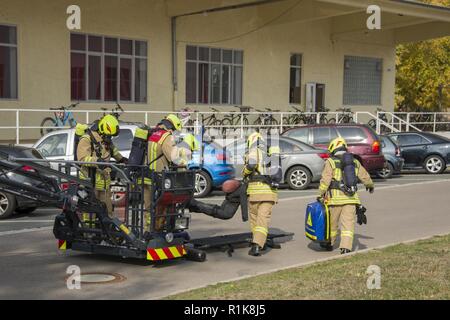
x: 213, y: 171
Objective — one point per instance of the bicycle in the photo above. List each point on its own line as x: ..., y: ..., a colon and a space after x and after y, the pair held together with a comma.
x: 323, y: 115
x: 293, y: 118
x: 234, y: 118
x: 116, y: 112
x: 266, y: 118
x: 62, y: 117
x: 382, y: 116
x: 212, y: 119
x: 300, y: 117
x: 185, y: 117
x: 345, y: 116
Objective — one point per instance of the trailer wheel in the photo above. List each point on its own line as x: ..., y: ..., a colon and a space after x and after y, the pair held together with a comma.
x: 7, y: 205
x: 195, y: 255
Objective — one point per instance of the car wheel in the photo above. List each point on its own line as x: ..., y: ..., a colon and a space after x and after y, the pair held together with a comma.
x: 203, y: 184
x: 26, y: 210
x: 298, y: 178
x: 7, y: 205
x: 387, y: 172
x: 434, y: 164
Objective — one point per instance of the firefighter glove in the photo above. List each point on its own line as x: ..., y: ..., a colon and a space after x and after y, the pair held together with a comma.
x: 361, y: 218
x: 123, y: 160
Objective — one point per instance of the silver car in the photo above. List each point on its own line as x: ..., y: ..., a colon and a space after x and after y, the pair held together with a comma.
x: 59, y: 145
x: 301, y: 162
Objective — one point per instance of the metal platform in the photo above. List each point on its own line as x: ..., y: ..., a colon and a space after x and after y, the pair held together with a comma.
x: 230, y: 241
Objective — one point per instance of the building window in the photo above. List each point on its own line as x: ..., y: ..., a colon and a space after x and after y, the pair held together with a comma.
x: 295, y: 79
x: 213, y: 75
x: 8, y: 62
x: 362, y: 80
x: 108, y: 69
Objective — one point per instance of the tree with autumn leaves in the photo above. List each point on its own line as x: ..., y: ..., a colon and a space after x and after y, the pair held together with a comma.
x: 423, y: 73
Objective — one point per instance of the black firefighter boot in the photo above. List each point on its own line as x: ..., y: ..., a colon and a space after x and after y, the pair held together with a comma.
x: 255, y: 250
x: 326, y: 246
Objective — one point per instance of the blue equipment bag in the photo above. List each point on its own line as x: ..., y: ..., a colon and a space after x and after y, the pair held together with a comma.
x: 317, y: 222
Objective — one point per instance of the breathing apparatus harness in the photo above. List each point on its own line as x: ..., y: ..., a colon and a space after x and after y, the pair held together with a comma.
x: 349, y: 181
x: 96, y: 147
x: 272, y: 163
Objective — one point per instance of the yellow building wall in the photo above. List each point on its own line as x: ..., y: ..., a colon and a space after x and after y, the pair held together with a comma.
x: 44, y: 53
x: 267, y: 49
x: 44, y: 50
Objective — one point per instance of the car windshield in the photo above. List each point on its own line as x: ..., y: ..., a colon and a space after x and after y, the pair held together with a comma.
x: 32, y: 153
x: 298, y: 134
x: 352, y: 134
x: 124, y: 140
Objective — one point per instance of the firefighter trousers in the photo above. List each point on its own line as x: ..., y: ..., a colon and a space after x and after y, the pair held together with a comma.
x: 345, y: 217
x: 105, y: 197
x: 260, y: 214
x: 160, y: 222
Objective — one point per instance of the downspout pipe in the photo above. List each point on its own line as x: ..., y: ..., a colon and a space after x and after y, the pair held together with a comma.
x: 174, y: 62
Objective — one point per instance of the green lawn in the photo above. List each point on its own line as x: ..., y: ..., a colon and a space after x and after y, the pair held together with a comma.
x: 419, y: 270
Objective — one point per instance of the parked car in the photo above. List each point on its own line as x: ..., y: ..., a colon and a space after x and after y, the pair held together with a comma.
x: 394, y: 161
x: 213, y: 171
x: 59, y: 145
x: 9, y: 203
x: 423, y: 150
x: 300, y: 162
x: 362, y: 141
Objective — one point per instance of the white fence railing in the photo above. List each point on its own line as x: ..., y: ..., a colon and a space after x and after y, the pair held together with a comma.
x: 27, y: 124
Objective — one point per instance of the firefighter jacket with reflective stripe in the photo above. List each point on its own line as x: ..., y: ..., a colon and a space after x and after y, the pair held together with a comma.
x: 254, y: 168
x: 332, y: 171
x: 86, y: 153
x: 162, y: 151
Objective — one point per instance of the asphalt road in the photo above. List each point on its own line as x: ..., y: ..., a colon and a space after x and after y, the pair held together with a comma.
x: 403, y: 208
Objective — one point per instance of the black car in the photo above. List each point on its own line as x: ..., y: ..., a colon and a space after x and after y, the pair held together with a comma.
x: 9, y: 203
x: 423, y: 150
x: 394, y: 160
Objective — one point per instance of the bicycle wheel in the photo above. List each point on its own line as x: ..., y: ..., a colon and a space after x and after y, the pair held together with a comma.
x: 273, y: 121
x: 47, y: 122
x: 72, y: 123
x: 373, y: 124
x: 227, y: 121
x: 258, y: 121
x: 310, y: 119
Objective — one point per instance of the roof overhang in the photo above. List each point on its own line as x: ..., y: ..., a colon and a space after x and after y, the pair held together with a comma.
x: 405, y: 21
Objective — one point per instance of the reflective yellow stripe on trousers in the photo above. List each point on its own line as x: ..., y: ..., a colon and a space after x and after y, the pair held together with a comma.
x: 262, y: 230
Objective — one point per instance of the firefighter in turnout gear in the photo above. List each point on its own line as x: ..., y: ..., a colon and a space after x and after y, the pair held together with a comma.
x: 162, y: 153
x: 262, y: 196
x: 96, y: 146
x: 341, y: 200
